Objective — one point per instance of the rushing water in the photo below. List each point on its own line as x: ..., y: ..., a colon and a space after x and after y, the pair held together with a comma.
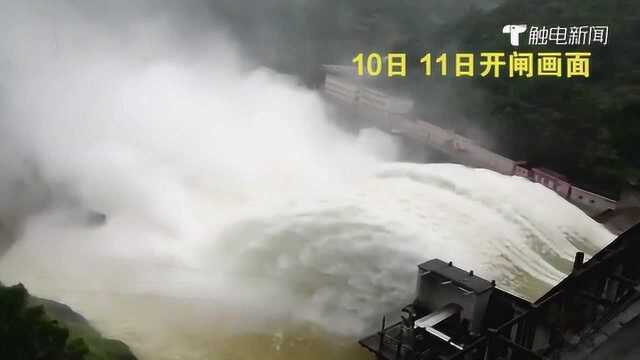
x: 309, y: 274
x: 241, y: 223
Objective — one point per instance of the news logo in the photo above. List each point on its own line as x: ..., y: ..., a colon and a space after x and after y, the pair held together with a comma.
x: 514, y: 31
x: 583, y: 35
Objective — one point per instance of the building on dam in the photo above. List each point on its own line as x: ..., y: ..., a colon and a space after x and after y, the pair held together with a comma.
x: 594, y: 313
x: 395, y: 115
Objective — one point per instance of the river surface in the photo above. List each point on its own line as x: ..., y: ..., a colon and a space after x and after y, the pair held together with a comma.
x: 304, y: 279
x: 241, y: 222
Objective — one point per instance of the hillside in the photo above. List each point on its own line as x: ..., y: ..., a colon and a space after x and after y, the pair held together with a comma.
x: 584, y: 128
x: 35, y: 328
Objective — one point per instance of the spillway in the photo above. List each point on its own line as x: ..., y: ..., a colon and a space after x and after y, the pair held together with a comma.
x: 327, y: 263
x: 240, y: 221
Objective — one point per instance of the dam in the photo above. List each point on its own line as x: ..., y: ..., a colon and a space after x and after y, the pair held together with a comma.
x: 458, y: 316
x: 239, y: 221
x: 395, y: 115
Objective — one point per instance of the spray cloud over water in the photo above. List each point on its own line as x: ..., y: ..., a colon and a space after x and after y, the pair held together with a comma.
x: 228, y: 185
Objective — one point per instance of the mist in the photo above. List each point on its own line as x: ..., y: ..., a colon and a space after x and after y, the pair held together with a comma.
x: 162, y: 123
x: 83, y: 101
x: 228, y: 191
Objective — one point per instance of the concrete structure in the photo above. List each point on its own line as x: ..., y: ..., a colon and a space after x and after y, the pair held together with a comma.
x: 521, y: 170
x: 343, y: 85
x: 440, y: 284
x: 394, y: 115
x: 627, y: 211
x: 342, y: 90
x: 592, y: 203
x: 553, y: 180
x: 592, y: 314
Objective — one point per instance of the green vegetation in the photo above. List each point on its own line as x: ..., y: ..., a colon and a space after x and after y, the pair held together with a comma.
x: 33, y: 329
x: 584, y: 128
x: 27, y: 333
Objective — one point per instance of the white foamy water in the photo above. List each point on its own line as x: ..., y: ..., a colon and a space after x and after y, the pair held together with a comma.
x: 240, y: 221
x: 336, y: 260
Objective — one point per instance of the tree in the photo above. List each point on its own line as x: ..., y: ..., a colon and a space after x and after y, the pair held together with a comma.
x: 26, y: 333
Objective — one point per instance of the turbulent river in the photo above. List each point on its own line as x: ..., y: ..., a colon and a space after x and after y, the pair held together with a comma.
x: 304, y: 278
x: 241, y: 222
